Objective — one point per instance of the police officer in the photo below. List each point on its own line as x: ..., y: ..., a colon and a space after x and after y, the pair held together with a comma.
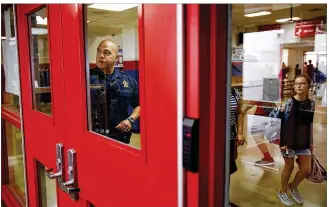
x: 121, y: 91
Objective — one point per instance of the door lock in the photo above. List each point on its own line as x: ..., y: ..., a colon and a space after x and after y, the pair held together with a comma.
x: 191, y: 144
x: 71, y: 186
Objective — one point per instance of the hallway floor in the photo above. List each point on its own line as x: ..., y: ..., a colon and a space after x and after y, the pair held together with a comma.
x: 254, y: 186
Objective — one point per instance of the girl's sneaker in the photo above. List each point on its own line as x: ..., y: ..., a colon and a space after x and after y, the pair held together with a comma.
x: 296, y: 195
x: 284, y: 198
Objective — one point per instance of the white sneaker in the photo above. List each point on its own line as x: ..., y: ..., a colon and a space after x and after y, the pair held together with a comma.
x: 284, y: 198
x: 296, y: 195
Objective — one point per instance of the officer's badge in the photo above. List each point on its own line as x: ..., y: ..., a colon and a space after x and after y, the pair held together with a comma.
x: 125, y: 84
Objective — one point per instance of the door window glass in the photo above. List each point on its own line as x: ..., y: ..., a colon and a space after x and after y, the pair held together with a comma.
x: 40, y: 67
x: 112, y: 71
x: 13, y: 140
x: 46, y: 188
x: 9, y: 60
x: 278, y: 43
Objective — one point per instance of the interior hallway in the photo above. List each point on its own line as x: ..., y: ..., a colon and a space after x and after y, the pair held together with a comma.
x: 257, y: 186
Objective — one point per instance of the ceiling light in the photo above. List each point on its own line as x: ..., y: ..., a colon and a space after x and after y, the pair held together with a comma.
x: 287, y: 19
x: 88, y: 21
x: 262, y: 13
x: 113, y: 7
x: 42, y: 21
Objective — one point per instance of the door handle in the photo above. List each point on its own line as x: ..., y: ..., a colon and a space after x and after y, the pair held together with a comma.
x: 52, y: 175
x: 71, y: 186
x: 59, y: 164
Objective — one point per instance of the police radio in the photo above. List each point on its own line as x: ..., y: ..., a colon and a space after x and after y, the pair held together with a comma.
x: 98, y: 99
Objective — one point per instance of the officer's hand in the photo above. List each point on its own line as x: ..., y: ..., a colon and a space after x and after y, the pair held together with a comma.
x: 124, y: 126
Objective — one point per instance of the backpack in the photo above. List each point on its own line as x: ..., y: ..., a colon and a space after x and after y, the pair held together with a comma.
x: 318, y: 173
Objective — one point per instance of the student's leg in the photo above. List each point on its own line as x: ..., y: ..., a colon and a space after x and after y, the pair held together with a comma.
x: 288, y: 168
x: 286, y: 173
x: 267, y: 159
x: 263, y: 148
x: 304, y: 170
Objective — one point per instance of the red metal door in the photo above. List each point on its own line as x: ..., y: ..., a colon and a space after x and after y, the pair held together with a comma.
x: 42, y: 91
x: 111, y: 173
x: 108, y: 173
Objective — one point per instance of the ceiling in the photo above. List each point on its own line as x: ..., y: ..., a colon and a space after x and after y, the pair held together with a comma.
x: 103, y: 22
x: 278, y: 11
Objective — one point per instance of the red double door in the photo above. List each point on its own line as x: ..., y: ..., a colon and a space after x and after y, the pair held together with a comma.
x: 106, y: 173
x: 175, y: 80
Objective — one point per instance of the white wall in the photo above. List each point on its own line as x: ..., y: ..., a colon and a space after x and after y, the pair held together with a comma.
x: 130, y: 43
x: 93, y: 43
x: 262, y: 57
x: 127, y: 40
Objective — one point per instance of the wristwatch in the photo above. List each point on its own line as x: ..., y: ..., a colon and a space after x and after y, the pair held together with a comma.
x: 131, y: 120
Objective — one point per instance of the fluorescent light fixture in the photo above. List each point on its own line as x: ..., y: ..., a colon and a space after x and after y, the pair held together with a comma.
x: 287, y: 19
x: 257, y: 14
x: 42, y: 21
x: 39, y: 31
x: 113, y: 7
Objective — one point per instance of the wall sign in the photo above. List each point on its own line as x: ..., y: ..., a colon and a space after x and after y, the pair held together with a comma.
x: 119, y: 63
x: 309, y: 28
x: 237, y: 54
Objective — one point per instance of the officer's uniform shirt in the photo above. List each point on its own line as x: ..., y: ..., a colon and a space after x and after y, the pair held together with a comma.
x: 121, y: 90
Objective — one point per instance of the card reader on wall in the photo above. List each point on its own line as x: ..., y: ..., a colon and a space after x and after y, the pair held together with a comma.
x: 191, y: 144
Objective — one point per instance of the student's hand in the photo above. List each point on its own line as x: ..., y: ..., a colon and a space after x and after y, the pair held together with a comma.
x: 283, y: 108
x: 285, y: 150
x: 124, y: 126
x: 241, y: 140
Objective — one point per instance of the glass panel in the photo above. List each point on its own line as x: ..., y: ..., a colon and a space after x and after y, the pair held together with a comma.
x: 9, y: 61
x: 46, y: 188
x: 13, y: 140
x: 12, y: 22
x: 273, y: 41
x: 38, y: 26
x: 112, y: 49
